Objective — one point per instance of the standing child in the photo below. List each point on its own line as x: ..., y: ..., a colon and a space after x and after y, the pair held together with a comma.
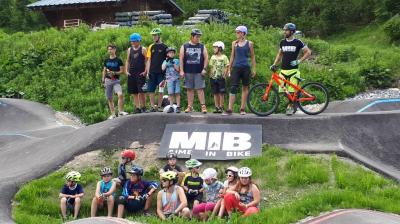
x: 104, y: 192
x: 127, y: 157
x: 193, y: 183
x: 71, y: 194
x: 219, y: 63
x: 171, y: 68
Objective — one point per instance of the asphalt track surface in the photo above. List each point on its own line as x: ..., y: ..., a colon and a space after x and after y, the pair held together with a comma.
x: 33, y: 143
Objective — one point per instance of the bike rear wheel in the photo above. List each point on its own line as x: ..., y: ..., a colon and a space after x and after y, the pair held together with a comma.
x: 317, y: 100
x: 256, y: 103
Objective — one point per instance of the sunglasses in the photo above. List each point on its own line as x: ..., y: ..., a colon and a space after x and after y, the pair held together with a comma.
x: 230, y: 175
x: 164, y: 180
x: 197, y: 167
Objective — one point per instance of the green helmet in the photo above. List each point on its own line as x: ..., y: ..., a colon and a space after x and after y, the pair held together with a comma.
x: 73, y: 176
x: 192, y: 163
x: 156, y: 31
x: 169, y: 175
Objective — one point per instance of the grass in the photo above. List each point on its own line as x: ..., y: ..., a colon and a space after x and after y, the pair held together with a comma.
x: 294, y: 185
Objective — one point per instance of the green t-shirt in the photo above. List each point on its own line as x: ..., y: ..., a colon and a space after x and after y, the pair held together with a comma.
x: 218, y: 65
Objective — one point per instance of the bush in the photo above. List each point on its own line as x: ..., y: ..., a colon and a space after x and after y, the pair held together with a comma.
x: 392, y: 28
x: 378, y: 77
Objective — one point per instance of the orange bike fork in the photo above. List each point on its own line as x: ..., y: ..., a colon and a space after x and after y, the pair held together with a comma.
x: 267, y: 90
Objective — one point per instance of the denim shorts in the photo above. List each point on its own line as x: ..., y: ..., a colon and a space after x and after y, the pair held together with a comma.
x: 194, y: 81
x: 174, y: 87
x: 154, y: 80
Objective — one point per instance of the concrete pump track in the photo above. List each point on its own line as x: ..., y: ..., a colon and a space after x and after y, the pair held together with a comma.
x: 33, y: 143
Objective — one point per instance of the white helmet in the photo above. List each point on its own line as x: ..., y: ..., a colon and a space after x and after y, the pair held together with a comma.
x: 210, y: 173
x: 244, y: 172
x: 219, y: 44
x: 234, y: 169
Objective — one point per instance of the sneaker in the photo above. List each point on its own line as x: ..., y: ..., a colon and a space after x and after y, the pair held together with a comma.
x: 122, y: 113
x: 216, y: 110
x: 289, y: 110
x: 221, y: 110
x: 112, y: 116
x: 189, y: 109
x: 178, y: 110
x: 146, y: 213
x: 144, y: 110
x: 242, y: 112
x: 170, y: 110
x: 138, y: 111
x: 160, y: 110
x: 203, y: 109
x: 153, y: 109
x: 227, y: 112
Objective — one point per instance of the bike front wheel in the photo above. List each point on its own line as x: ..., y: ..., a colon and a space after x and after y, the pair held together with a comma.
x: 313, y: 98
x: 257, y: 104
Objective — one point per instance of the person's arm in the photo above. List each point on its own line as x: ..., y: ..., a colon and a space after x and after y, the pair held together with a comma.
x: 278, y: 57
x: 159, y: 206
x: 181, y: 56
x: 164, y: 65
x: 227, y: 68
x: 202, y: 187
x: 127, y: 62
x: 103, y: 78
x: 147, y: 58
x: 64, y: 195
x: 97, y: 192
x: 205, y: 55
x: 256, y: 196
x: 253, y: 59
x: 306, y: 54
x: 176, y: 65
x: 112, y: 189
x: 232, y: 55
x: 182, y: 199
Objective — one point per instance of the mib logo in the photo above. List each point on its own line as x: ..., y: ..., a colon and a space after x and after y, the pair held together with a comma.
x: 289, y: 48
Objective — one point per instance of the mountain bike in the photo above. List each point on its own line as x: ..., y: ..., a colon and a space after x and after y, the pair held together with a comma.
x: 263, y: 99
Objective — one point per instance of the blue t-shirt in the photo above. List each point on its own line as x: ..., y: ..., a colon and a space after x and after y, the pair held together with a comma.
x: 106, y: 187
x: 138, y: 189
x: 170, y: 72
x: 77, y: 190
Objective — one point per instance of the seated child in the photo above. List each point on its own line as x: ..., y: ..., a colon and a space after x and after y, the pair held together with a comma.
x: 71, y: 194
x: 104, y: 192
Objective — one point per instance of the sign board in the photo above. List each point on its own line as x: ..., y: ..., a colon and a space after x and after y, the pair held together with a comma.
x: 211, y: 141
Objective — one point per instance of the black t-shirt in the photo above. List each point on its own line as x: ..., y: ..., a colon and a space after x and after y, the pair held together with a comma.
x: 291, y: 50
x: 169, y: 168
x: 194, y: 183
x: 157, y: 54
x: 113, y: 65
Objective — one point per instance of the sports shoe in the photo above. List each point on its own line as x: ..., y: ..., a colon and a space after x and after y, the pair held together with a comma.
x: 227, y: 112
x: 144, y: 110
x: 170, y: 110
x: 153, y: 109
x: 216, y: 110
x: 178, y: 110
x: 112, y: 116
x: 289, y: 110
x: 242, y: 111
x: 122, y: 113
x: 203, y: 109
x: 189, y: 109
x: 138, y: 111
x: 146, y: 213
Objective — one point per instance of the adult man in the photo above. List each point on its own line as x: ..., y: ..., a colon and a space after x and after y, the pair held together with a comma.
x: 289, y: 49
x: 193, y: 61
x: 156, y: 55
x: 112, y: 69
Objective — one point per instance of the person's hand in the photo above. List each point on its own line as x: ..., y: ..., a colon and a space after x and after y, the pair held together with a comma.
x: 253, y: 74
x: 203, y: 72
x: 295, y: 62
x: 190, y: 191
x: 237, y: 196
x: 145, y: 196
x: 273, y: 68
x: 129, y: 74
x: 182, y: 74
x: 242, y: 205
x: 143, y: 73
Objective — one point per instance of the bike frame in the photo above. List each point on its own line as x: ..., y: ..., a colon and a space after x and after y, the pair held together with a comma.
x: 293, y: 98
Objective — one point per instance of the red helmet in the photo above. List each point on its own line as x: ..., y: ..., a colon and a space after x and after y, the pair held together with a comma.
x: 127, y: 153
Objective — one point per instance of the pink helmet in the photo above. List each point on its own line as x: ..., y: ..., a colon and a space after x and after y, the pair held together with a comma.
x: 242, y: 29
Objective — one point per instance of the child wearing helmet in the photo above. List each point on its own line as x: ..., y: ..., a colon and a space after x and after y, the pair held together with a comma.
x: 127, y: 157
x: 105, y: 192
x: 230, y: 183
x: 171, y: 68
x: 245, y: 197
x: 213, y: 190
x: 71, y: 194
x: 136, y: 194
x: 193, y: 183
x: 172, y: 166
x: 136, y: 71
x: 171, y: 201
x: 219, y: 63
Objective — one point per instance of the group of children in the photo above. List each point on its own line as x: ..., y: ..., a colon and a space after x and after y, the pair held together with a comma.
x: 189, y: 195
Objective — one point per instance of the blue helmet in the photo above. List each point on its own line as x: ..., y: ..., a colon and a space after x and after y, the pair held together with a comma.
x: 290, y: 26
x: 135, y: 37
x: 136, y: 170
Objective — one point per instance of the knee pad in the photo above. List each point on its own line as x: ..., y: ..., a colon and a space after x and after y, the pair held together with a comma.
x: 234, y: 90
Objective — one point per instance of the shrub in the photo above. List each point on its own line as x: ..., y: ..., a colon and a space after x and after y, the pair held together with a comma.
x: 392, y: 28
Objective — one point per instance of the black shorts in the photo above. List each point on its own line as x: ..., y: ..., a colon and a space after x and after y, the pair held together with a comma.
x: 135, y: 83
x: 191, y: 198
x: 132, y: 205
x: 240, y: 74
x: 217, y: 85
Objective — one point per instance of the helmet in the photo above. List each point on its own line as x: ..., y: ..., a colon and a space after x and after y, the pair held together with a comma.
x: 136, y: 170
x: 170, y: 49
x: 73, y: 176
x: 156, y: 31
x: 171, y: 155
x: 106, y: 170
x: 135, y: 37
x: 169, y: 175
x: 196, y: 32
x: 210, y: 173
x: 242, y: 29
x: 244, y: 172
x: 290, y: 26
x: 219, y: 44
x: 127, y: 153
x: 192, y: 163
x: 234, y: 169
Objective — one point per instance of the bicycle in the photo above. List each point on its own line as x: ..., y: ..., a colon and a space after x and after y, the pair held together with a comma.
x: 263, y: 98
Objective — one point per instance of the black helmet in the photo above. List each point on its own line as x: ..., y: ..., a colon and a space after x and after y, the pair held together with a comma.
x: 196, y: 32
x: 136, y: 170
x: 290, y: 26
x: 172, y: 155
